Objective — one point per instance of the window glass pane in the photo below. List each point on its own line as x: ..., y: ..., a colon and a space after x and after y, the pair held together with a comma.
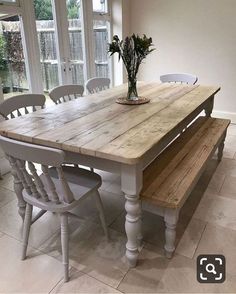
x: 12, y: 62
x: 101, y: 29
x: 75, y: 35
x: 47, y: 43
x: 99, y: 6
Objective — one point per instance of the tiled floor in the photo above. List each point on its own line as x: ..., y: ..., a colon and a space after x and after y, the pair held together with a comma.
x: 207, y: 225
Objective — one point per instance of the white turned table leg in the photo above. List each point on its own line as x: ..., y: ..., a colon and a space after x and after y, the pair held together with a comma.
x: 171, y: 218
x: 132, y: 228
x: 131, y: 184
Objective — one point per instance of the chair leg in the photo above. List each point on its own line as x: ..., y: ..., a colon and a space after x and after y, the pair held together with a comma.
x: 65, y: 245
x: 26, y: 229
x: 101, y: 213
x: 171, y: 218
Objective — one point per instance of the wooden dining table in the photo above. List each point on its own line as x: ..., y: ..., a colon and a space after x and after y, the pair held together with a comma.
x: 97, y: 132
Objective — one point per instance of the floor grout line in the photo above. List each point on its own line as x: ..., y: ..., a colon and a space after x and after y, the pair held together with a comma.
x: 221, y: 186
x: 199, y: 240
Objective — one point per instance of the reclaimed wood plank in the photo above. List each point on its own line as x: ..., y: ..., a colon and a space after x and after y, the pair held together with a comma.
x: 170, y: 178
x: 95, y: 125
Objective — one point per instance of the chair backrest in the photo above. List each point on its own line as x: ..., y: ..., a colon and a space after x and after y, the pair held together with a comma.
x: 179, y: 78
x: 66, y: 93
x: 95, y: 85
x: 14, y: 105
x: 37, y: 184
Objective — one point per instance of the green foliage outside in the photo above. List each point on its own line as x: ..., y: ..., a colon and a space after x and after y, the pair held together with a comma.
x: 43, y: 9
x: 73, y: 9
x: 2, y: 53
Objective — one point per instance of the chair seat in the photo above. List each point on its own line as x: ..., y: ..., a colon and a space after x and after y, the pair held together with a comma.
x: 80, y: 181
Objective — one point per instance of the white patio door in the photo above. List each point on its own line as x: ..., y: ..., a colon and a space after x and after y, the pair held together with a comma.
x: 82, y: 29
x: 69, y: 41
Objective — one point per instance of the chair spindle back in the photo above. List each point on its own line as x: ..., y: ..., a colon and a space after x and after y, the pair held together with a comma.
x: 38, y: 182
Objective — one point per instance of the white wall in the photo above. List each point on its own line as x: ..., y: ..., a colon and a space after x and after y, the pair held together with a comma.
x: 196, y: 36
x: 121, y: 27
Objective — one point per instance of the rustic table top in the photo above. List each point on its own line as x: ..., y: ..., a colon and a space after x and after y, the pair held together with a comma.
x: 95, y: 125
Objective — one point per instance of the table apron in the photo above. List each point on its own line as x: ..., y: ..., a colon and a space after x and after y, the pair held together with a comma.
x: 94, y: 162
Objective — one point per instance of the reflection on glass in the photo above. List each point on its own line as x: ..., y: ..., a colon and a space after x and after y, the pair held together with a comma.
x: 99, y: 6
x: 100, y: 29
x: 75, y: 35
x: 12, y: 62
x: 47, y: 43
x: 9, y: 1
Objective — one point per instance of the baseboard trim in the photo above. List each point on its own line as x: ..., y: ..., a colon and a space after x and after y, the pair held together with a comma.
x: 225, y: 114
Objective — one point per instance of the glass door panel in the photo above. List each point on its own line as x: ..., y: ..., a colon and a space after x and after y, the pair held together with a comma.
x: 12, y: 61
x: 47, y: 43
x: 101, y: 38
x: 76, y: 58
x: 100, y: 6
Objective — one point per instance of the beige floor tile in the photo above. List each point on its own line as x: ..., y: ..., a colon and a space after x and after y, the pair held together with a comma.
x: 218, y: 240
x: 82, y: 283
x: 6, y: 196
x: 230, y: 140
x: 38, y: 273
x: 216, y: 183
x: 180, y: 277
x: 191, y: 238
x: 146, y: 277
x: 229, y: 152
x: 217, y: 210
x: 228, y: 188
x: 11, y: 224
x: 91, y: 253
x: 156, y: 274
x: 7, y: 182
x: 113, y: 206
x: 227, y: 167
x: 231, y: 130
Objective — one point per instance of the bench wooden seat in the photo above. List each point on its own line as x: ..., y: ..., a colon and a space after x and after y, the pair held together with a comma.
x: 170, y: 178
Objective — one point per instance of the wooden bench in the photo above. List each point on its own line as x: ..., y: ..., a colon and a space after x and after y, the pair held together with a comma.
x: 170, y: 178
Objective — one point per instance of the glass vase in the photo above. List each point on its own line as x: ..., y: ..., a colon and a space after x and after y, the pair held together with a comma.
x: 132, y: 89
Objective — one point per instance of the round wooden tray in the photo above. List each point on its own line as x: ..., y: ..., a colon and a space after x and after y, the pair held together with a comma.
x: 124, y: 100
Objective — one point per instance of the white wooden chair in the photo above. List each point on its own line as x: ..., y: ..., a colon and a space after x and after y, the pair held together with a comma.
x: 17, y: 106
x: 56, y: 188
x: 96, y: 85
x: 179, y: 78
x: 21, y: 104
x: 66, y: 93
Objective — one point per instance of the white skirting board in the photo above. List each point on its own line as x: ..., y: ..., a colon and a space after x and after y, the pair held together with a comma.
x: 225, y: 114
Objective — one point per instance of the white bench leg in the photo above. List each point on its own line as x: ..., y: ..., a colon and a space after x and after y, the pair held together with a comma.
x: 171, y: 218
x: 221, y: 148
